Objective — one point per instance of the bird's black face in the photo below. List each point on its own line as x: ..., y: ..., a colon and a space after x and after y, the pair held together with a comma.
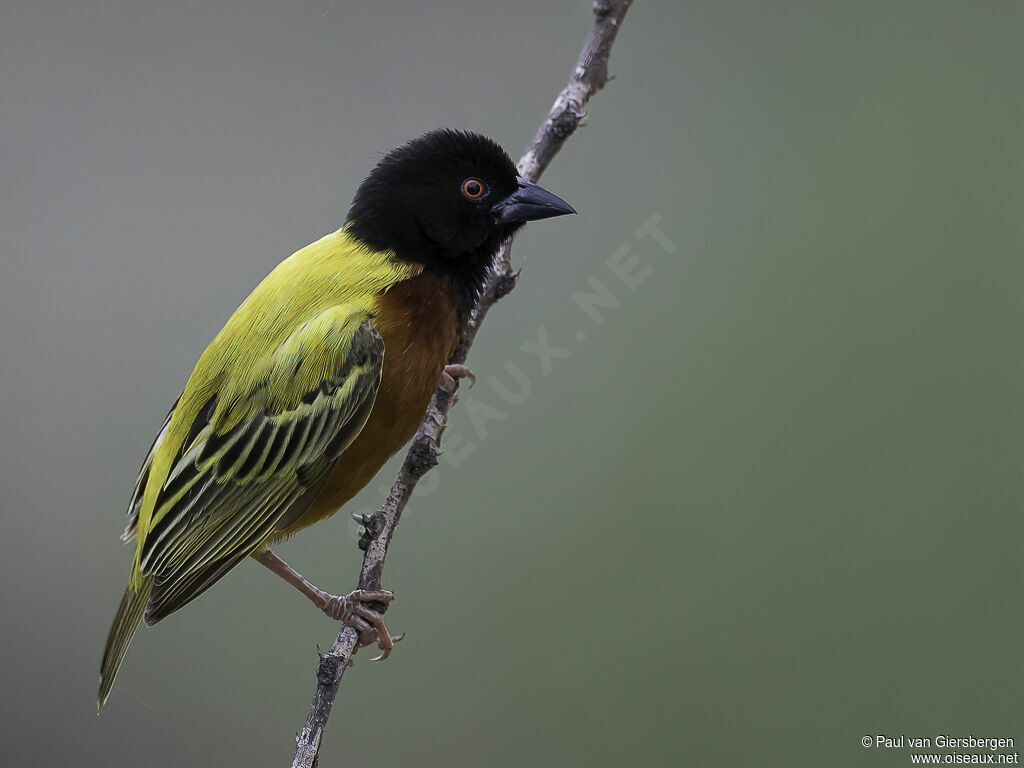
x: 447, y: 200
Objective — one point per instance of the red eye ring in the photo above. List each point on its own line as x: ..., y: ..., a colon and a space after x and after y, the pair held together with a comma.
x: 473, y: 188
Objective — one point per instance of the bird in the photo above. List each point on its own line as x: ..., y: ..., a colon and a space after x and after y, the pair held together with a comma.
x: 319, y: 377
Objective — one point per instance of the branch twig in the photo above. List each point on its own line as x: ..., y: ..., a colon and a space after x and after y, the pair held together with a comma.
x: 588, y: 76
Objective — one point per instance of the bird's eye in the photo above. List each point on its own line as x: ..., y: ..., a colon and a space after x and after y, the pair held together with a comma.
x: 473, y: 188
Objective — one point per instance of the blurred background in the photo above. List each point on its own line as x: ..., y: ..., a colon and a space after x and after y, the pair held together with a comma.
x: 769, y: 504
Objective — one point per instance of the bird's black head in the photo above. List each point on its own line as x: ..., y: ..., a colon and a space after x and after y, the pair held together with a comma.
x: 447, y: 200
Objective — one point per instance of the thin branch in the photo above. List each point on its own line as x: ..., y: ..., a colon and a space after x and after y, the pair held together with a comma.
x: 588, y: 76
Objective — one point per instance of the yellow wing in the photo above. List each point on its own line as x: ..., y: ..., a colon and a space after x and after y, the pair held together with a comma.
x: 280, y: 392
x: 140, y: 482
x: 255, y: 455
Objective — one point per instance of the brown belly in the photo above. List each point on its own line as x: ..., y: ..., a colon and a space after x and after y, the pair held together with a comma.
x: 417, y: 319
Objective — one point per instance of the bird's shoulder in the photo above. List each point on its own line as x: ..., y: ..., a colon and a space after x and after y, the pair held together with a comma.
x: 298, y: 324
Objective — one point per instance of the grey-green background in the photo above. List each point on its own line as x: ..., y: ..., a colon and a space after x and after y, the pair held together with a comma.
x: 771, y: 504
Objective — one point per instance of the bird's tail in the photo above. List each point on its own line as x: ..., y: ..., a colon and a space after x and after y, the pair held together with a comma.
x: 129, y: 614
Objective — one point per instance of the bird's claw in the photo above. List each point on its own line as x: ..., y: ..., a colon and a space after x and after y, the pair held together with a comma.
x: 460, y: 371
x: 353, y: 610
x: 385, y: 652
x: 452, y: 373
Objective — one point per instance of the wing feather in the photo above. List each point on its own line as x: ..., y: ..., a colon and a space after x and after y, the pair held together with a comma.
x: 140, y: 483
x: 243, y: 466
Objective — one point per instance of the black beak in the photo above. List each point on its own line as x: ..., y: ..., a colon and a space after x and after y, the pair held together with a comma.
x: 529, y: 203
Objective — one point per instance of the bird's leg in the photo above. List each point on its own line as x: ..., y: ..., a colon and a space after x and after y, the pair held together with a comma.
x: 453, y: 372
x: 351, y: 609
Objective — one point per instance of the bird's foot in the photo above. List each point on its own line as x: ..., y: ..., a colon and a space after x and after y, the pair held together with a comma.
x: 452, y: 373
x: 354, y: 610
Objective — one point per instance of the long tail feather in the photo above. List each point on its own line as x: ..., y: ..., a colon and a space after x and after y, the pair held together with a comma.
x: 129, y: 614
